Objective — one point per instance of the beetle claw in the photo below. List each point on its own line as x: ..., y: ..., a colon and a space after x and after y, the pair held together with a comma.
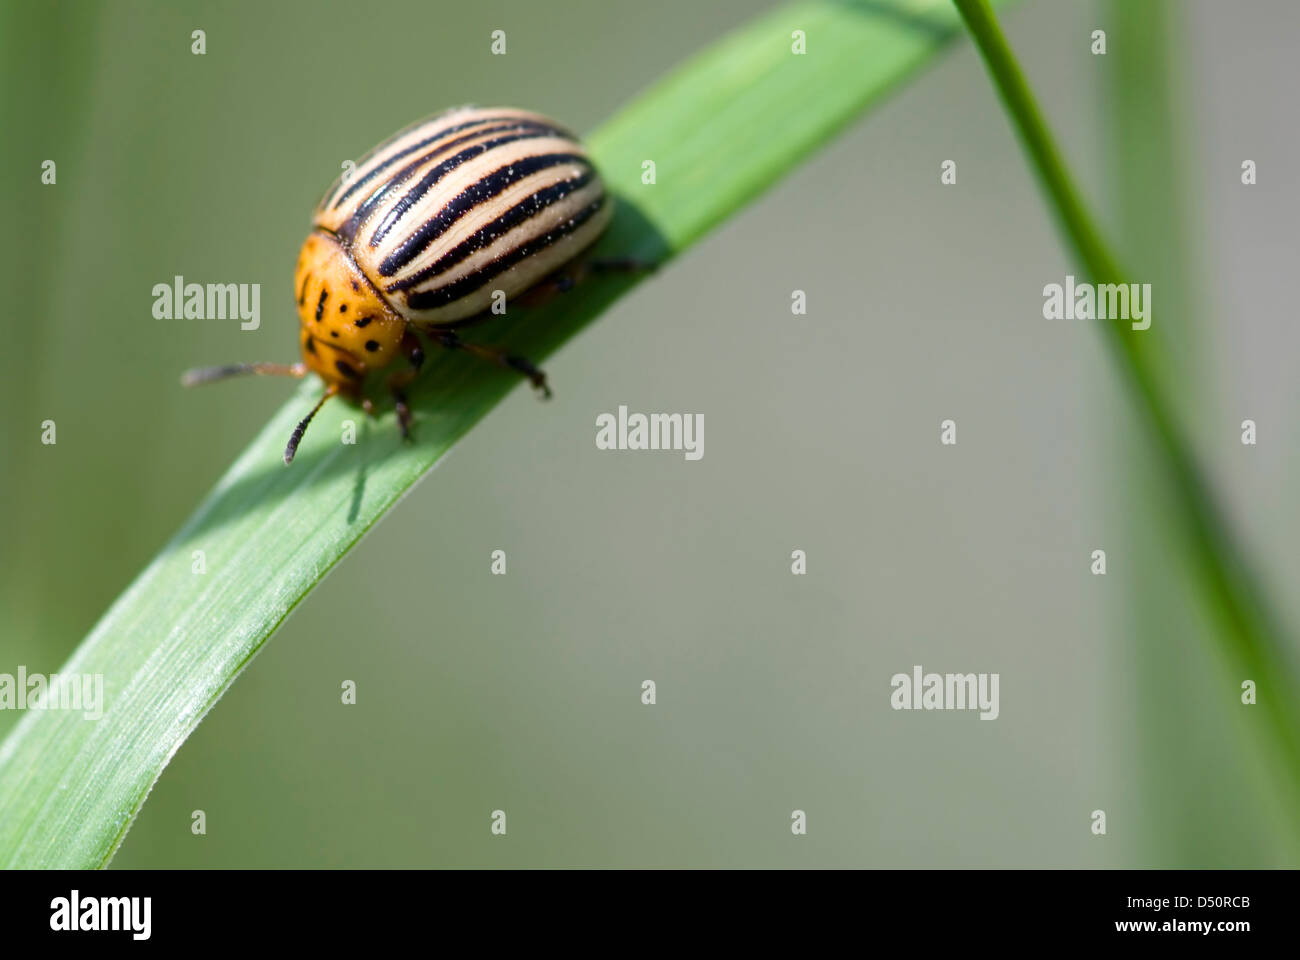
x: 404, y: 420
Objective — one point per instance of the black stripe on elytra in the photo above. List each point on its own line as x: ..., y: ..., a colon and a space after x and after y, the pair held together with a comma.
x: 320, y: 304
x: 360, y: 182
x: 427, y: 299
x: 367, y: 207
x: 302, y: 294
x: 525, y: 209
x: 415, y: 193
x: 482, y: 190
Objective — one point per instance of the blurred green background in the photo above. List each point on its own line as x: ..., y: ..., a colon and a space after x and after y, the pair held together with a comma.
x: 523, y: 692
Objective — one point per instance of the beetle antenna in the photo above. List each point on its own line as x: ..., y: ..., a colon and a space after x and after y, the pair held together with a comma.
x: 296, y: 437
x: 192, y: 378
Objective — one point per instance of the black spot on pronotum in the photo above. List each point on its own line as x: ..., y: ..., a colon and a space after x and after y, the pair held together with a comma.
x: 302, y: 294
x: 344, y: 369
x: 320, y: 304
x: 372, y: 345
x: 362, y: 321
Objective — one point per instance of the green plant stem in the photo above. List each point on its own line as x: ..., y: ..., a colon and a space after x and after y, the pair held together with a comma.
x: 1252, y: 636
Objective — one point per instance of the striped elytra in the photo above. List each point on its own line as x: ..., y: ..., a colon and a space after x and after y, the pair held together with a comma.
x: 473, y: 200
x: 425, y: 233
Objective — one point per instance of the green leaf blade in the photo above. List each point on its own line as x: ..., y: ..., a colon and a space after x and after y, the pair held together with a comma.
x: 721, y: 129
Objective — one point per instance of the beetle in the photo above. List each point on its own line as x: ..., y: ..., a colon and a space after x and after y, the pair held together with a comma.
x: 427, y: 229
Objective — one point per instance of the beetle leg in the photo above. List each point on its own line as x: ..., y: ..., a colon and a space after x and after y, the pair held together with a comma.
x: 192, y: 378
x: 397, y: 381
x: 502, y: 358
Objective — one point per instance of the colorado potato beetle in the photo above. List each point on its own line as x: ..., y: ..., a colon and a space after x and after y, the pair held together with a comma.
x: 421, y: 235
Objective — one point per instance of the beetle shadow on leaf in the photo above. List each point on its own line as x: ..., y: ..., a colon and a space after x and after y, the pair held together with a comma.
x: 359, y: 486
x: 453, y: 392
